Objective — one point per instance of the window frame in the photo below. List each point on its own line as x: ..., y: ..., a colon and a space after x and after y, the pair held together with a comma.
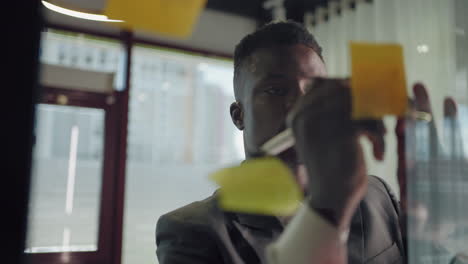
x: 115, y: 147
x: 106, y: 102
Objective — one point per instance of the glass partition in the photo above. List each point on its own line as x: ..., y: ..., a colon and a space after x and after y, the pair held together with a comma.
x: 66, y: 183
x: 179, y: 132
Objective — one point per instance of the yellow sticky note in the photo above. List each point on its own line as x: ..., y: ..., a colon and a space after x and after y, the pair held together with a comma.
x: 258, y: 186
x: 170, y: 17
x: 378, y: 80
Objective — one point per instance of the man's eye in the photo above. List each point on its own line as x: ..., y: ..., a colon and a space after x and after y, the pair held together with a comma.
x: 276, y: 91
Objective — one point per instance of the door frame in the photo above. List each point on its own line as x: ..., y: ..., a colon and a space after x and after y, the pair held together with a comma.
x: 108, y: 215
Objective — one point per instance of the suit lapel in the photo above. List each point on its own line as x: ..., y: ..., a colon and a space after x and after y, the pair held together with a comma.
x: 356, y: 238
x: 256, y: 232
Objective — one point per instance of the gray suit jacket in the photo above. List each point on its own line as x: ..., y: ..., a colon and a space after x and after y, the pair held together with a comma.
x: 202, y: 233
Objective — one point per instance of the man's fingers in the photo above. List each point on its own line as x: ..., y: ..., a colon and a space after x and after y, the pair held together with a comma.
x: 421, y: 98
x: 423, y: 104
x: 378, y: 144
x: 402, y: 165
x: 375, y: 131
x: 452, y: 133
x: 323, y: 97
x: 450, y: 108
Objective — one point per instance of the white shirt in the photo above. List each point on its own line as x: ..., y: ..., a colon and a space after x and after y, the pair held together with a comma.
x: 307, y: 239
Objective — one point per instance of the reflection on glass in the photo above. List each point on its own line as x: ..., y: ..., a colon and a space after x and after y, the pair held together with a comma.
x: 438, y: 181
x: 179, y: 131
x: 438, y: 191
x: 66, y: 180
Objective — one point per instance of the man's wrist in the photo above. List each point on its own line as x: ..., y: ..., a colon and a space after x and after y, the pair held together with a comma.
x: 330, y: 216
x: 335, y: 216
x: 327, y: 214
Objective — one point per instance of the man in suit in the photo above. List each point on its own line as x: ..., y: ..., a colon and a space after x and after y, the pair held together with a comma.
x: 273, y: 72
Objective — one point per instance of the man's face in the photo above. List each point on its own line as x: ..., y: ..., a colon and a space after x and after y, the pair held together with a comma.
x: 270, y: 82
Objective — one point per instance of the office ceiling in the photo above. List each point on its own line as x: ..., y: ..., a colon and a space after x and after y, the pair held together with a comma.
x: 249, y: 8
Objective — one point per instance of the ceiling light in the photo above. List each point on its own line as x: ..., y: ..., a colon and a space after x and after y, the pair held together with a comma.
x: 77, y: 14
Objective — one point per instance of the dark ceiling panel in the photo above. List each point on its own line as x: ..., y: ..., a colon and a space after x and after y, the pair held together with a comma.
x: 295, y: 9
x: 248, y: 8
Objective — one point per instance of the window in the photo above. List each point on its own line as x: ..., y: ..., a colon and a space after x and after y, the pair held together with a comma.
x: 179, y: 132
x: 65, y: 197
x: 73, y: 179
x: 86, y: 52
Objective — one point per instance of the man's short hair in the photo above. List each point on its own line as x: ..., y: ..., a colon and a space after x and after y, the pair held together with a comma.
x: 275, y: 33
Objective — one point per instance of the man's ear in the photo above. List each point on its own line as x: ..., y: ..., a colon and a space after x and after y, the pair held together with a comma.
x: 237, y: 115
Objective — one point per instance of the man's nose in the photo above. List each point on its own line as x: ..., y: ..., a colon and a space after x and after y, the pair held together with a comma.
x: 297, y: 91
x: 304, y: 85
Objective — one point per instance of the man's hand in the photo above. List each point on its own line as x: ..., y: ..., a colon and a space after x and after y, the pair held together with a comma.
x: 432, y: 175
x: 327, y: 142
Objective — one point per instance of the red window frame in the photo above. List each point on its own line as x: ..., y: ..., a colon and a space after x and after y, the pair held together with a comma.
x: 115, y: 147
x: 107, y: 211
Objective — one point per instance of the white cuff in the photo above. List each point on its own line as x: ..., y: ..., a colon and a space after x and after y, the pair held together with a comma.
x: 308, y: 238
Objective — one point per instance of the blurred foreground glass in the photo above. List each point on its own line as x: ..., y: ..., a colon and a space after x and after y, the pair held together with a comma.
x: 437, y: 189
x: 66, y: 180
x: 180, y: 131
